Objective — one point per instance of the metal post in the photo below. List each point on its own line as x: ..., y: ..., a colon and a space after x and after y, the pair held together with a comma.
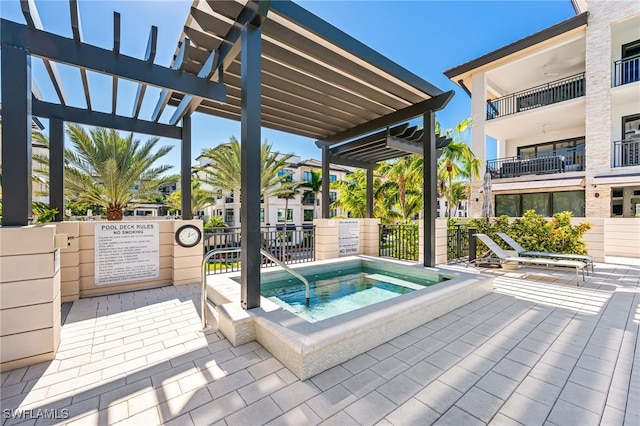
x: 429, y: 185
x: 56, y: 167
x: 250, y: 163
x: 325, y: 182
x: 185, y: 168
x: 458, y: 242
x: 369, y: 193
x: 16, y: 136
x: 472, y: 244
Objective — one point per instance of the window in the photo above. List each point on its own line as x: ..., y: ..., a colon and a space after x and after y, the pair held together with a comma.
x: 332, y: 196
x: 309, y: 198
x: 333, y: 178
x: 631, y: 49
x: 333, y: 213
x: 571, y: 149
x: 229, y: 199
x: 540, y: 202
x: 285, y: 172
x: 544, y: 203
x: 631, y: 127
x: 307, y: 215
x: 219, y: 213
x: 306, y: 176
x: 508, y: 205
x: 572, y: 201
x: 261, y: 215
x: 281, y: 215
x: 228, y: 215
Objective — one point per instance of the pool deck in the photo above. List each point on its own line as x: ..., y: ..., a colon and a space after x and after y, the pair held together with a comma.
x: 537, y: 351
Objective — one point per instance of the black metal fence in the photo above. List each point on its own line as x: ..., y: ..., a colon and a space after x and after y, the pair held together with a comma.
x: 626, y: 153
x: 295, y: 244
x: 399, y: 241
x: 626, y: 71
x: 536, y: 97
x: 457, y: 242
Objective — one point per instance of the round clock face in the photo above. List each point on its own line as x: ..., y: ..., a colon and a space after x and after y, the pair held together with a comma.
x: 188, y: 236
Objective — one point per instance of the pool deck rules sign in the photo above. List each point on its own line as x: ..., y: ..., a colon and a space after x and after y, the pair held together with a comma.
x: 348, y: 237
x: 126, y: 252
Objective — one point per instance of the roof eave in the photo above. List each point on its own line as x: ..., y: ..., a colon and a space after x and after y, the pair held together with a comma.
x: 517, y: 46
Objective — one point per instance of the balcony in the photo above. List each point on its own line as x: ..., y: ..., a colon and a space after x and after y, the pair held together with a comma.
x: 626, y: 153
x: 536, y: 97
x: 626, y: 71
x: 540, y: 164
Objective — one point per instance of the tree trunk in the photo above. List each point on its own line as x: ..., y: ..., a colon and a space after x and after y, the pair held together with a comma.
x: 114, y: 212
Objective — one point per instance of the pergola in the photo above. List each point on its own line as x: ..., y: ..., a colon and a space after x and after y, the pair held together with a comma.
x: 266, y: 64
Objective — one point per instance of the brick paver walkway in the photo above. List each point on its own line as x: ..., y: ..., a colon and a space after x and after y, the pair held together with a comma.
x: 537, y: 351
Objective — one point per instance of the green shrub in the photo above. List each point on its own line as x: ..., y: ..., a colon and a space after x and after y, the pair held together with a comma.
x: 43, y: 212
x: 535, y: 233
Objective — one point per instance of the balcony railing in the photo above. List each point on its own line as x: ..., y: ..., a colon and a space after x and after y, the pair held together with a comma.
x: 626, y: 71
x: 626, y: 153
x: 536, y: 97
x: 570, y: 160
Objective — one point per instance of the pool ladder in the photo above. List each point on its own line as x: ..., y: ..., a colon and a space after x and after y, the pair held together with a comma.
x: 265, y: 253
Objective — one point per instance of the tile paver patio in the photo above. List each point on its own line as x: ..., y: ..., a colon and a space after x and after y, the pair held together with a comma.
x: 538, y: 350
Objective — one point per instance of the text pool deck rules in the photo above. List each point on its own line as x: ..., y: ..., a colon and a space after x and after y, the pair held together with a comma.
x: 348, y: 237
x: 126, y: 252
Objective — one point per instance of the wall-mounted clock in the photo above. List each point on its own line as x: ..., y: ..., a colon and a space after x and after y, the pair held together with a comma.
x: 188, y: 235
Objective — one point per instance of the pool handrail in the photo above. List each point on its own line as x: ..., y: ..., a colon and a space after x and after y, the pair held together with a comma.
x: 268, y: 255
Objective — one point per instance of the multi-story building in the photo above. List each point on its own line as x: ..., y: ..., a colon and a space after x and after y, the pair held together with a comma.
x: 563, y: 105
x: 299, y: 210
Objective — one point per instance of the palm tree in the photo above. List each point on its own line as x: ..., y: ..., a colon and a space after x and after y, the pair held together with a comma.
x: 314, y: 185
x: 200, y: 198
x: 403, y: 184
x: 225, y: 167
x: 459, y: 192
x: 287, y: 190
x: 352, y: 197
x: 457, y: 161
x: 109, y: 170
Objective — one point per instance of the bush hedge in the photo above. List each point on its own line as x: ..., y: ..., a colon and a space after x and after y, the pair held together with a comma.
x: 535, y: 233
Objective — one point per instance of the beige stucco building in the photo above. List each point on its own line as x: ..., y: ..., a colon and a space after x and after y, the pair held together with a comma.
x: 564, y: 107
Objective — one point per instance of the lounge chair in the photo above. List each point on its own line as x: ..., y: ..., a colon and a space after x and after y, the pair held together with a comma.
x: 529, y: 261
x: 563, y: 256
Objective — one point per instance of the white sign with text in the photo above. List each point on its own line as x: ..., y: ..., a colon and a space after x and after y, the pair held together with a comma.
x: 126, y: 252
x: 348, y: 237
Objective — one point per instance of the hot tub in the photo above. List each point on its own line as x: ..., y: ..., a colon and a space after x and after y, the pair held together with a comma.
x: 310, y: 344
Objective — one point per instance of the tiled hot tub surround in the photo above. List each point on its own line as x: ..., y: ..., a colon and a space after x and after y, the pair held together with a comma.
x: 310, y: 348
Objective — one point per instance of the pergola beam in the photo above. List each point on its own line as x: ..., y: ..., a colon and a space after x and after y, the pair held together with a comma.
x: 16, y: 136
x: 367, y: 140
x: 429, y: 181
x: 320, y: 27
x: 149, y: 56
x: 100, y: 119
x: 64, y: 50
x: 76, y: 29
x: 33, y: 20
x: 116, y: 51
x: 221, y: 58
x: 178, y: 63
x: 433, y: 104
x: 250, y: 162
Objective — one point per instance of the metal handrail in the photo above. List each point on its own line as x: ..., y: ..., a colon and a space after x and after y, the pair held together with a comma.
x: 210, y: 253
x: 275, y: 260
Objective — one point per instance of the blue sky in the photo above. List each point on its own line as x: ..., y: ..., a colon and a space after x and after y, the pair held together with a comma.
x: 426, y: 37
